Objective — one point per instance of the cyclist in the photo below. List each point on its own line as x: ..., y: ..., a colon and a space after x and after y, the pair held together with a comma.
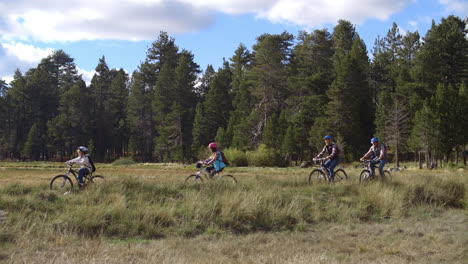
x: 333, y: 153
x: 216, y: 160
x: 378, y: 153
x: 83, y: 160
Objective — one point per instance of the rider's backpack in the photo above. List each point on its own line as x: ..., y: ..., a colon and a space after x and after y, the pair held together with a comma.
x: 225, y: 161
x: 91, y: 162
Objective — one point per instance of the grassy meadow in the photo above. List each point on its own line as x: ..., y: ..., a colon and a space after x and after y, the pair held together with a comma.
x: 143, y: 213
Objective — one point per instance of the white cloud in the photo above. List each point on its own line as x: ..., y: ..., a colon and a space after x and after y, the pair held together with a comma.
x: 308, y: 12
x: 86, y: 75
x: 16, y: 55
x: 72, y: 20
x: 457, y: 6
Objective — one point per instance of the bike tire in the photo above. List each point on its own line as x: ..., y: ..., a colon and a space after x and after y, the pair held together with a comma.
x: 387, y: 176
x: 364, y: 176
x: 317, y: 176
x: 96, y: 179
x: 340, y: 175
x: 193, y: 179
x: 61, y: 183
x: 229, y: 178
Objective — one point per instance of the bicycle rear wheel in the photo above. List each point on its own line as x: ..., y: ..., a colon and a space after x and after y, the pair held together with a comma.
x: 387, y: 176
x: 193, y: 179
x: 61, y: 184
x: 340, y: 175
x: 228, y: 178
x: 365, y: 176
x: 317, y: 176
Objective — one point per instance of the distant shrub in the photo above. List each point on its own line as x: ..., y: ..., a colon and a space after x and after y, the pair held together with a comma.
x: 265, y: 157
x: 236, y: 157
x: 437, y: 192
x: 124, y: 161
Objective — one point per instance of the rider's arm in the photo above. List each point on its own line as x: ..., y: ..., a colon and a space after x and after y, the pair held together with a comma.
x: 211, y: 159
x: 334, y: 150
x: 78, y: 160
x: 383, y: 151
x: 367, y: 154
x: 321, y: 153
x: 75, y: 160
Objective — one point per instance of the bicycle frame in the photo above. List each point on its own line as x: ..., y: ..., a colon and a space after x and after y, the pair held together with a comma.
x: 75, y: 174
x: 368, y: 167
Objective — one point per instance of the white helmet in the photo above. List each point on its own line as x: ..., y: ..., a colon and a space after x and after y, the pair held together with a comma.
x: 83, y: 148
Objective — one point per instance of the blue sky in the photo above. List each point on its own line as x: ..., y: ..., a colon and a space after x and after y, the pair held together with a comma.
x: 212, y: 29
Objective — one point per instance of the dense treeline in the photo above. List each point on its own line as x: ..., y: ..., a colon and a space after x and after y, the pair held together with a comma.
x: 283, y: 95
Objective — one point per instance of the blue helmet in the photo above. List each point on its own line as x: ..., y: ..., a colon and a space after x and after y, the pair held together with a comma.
x: 374, y: 140
x: 327, y: 137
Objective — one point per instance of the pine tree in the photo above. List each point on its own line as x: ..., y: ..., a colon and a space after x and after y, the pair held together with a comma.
x: 269, y: 79
x: 348, y: 112
x: 100, y: 84
x: 443, y: 57
x: 32, y: 146
x: 140, y: 119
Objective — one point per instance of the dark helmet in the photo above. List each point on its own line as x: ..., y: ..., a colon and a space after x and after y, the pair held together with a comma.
x: 327, y: 137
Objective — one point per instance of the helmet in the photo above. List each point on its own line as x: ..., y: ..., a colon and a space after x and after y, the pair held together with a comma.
x: 374, y: 140
x: 83, y: 148
x: 212, y: 145
x: 327, y: 137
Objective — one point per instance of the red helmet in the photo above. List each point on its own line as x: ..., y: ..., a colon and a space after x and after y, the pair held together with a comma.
x: 212, y: 145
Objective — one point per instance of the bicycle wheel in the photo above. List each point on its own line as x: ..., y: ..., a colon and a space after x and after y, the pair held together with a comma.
x: 61, y: 183
x: 340, y: 175
x: 228, y: 178
x: 387, y: 176
x: 193, y: 179
x: 96, y: 179
x: 317, y: 176
x: 364, y: 176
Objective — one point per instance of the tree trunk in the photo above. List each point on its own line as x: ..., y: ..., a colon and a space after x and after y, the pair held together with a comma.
x: 428, y: 161
x: 419, y: 160
x: 396, y: 156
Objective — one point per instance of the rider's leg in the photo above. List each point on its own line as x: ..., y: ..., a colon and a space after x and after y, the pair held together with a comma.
x: 372, y: 166
x: 81, y: 173
x: 326, y: 165
x: 210, y: 170
x: 331, y: 169
x: 382, y: 164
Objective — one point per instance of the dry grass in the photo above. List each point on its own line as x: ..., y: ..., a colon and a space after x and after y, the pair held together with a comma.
x: 144, y: 214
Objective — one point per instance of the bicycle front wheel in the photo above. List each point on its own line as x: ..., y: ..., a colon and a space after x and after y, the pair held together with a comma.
x: 364, y: 176
x: 340, y: 175
x: 193, y: 179
x: 96, y: 179
x: 61, y: 184
x: 317, y: 176
x: 228, y: 178
x: 387, y: 176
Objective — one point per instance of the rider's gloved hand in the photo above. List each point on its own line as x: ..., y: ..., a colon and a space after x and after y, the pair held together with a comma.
x: 199, y: 164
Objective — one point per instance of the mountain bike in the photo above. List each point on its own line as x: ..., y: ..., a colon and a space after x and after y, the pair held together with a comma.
x: 63, y: 183
x: 203, y: 173
x: 367, y: 175
x: 320, y: 175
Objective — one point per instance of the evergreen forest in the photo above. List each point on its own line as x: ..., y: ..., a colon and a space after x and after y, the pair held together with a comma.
x: 280, y: 96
